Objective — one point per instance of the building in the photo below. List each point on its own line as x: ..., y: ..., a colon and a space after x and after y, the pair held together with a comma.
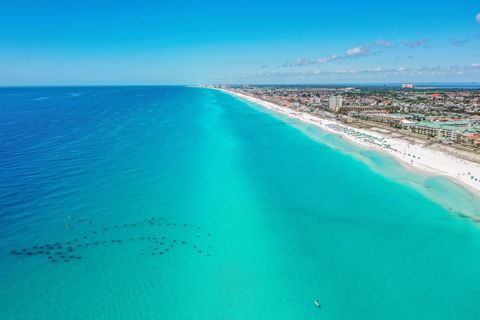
x: 471, y: 139
x: 394, y: 120
x: 346, y: 109
x: 454, y: 131
x: 408, y: 86
x: 335, y: 103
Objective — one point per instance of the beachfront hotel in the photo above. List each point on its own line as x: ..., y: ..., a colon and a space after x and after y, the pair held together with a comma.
x: 335, y: 103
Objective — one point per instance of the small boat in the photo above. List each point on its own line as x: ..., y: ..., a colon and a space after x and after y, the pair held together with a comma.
x: 317, y: 303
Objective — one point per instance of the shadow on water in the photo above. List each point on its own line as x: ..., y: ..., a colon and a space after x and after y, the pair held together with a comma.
x: 77, y: 248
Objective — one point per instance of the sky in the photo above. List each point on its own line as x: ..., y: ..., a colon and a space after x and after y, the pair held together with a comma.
x: 87, y: 42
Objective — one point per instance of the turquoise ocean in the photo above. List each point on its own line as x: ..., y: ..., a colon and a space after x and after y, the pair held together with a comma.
x: 188, y: 203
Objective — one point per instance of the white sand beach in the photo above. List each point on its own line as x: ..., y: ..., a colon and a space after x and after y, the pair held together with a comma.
x: 415, y: 156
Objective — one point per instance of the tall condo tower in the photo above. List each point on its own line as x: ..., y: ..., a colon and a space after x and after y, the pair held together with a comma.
x: 335, y: 103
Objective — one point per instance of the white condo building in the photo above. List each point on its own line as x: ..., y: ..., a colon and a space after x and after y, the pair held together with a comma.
x: 335, y: 103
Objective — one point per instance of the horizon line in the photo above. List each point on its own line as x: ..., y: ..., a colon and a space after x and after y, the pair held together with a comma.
x: 235, y: 84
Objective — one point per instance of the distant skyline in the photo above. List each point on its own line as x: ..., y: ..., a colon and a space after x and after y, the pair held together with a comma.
x: 269, y: 42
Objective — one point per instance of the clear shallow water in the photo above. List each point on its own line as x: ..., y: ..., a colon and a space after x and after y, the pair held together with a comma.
x: 290, y: 219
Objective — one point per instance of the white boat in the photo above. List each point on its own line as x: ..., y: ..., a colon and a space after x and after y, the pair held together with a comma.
x: 317, y: 303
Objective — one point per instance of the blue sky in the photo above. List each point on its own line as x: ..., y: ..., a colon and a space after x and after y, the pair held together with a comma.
x: 186, y: 42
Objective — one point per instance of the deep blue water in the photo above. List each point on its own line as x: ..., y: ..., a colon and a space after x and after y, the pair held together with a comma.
x: 186, y: 203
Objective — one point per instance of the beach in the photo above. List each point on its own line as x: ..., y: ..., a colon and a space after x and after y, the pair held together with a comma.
x: 414, y: 156
x: 125, y: 202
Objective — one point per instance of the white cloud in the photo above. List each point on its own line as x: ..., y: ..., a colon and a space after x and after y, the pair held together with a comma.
x: 415, y: 43
x: 375, y: 72
x: 327, y: 59
x: 477, y: 17
x: 383, y: 43
x: 307, y: 62
x: 358, y: 52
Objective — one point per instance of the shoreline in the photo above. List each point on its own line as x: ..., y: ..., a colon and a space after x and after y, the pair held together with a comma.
x: 411, y: 156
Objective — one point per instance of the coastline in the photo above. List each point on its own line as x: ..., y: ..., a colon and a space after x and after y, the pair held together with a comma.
x: 412, y: 156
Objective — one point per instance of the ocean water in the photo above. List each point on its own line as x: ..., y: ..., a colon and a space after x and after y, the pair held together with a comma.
x: 187, y: 203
